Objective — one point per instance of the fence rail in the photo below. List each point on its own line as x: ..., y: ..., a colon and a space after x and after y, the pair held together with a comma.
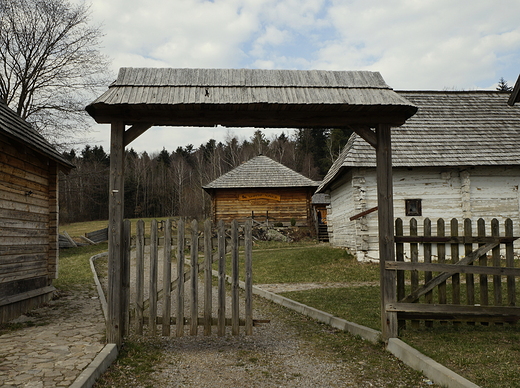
x: 444, y: 295
x: 178, y: 293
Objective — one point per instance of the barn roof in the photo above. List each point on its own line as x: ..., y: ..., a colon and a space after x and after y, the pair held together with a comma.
x: 18, y: 129
x: 474, y: 128
x: 250, y: 97
x: 261, y: 172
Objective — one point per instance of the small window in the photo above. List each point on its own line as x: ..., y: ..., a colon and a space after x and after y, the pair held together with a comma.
x: 413, y: 207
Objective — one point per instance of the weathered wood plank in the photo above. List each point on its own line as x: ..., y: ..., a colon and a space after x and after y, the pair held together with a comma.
x: 221, y: 330
x: 167, y: 277
x: 414, y: 257
x: 454, y: 247
x: 235, y: 312
x: 510, y: 262
x: 208, y: 278
x: 454, y: 268
x: 455, y: 309
x: 179, y: 327
x: 249, y: 276
x: 194, y: 268
x: 441, y: 258
x: 139, y: 300
x: 125, y: 278
x: 428, y: 297
x: 470, y: 279
x: 154, y: 262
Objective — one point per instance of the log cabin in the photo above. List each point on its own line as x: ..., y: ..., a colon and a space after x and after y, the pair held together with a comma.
x: 29, y: 168
x: 264, y: 190
x: 458, y: 157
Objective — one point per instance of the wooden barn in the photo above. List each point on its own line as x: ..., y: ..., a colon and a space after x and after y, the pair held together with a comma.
x: 29, y: 168
x: 458, y: 157
x: 265, y: 190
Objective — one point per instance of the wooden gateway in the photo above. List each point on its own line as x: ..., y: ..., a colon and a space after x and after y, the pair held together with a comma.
x: 29, y: 168
x: 264, y: 190
x: 142, y: 98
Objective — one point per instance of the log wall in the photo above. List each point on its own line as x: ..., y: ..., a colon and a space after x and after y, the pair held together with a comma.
x: 29, y: 228
x: 281, y: 205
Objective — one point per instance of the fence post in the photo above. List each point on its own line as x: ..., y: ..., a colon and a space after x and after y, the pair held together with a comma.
x: 194, y: 309
x: 125, y: 278
x: 455, y: 279
x: 482, y: 261
x: 510, y: 262
x: 221, y: 324
x: 179, y: 324
x: 428, y: 297
x: 249, y: 276
x: 399, y: 255
x: 153, y: 277
x: 495, y: 254
x: 414, y: 258
x: 139, y: 274
x: 470, y: 278
x: 441, y: 254
x: 167, y: 278
x: 208, y: 278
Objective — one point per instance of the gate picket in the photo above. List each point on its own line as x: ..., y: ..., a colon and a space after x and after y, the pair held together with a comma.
x: 208, y: 277
x: 154, y: 258
x: 167, y: 278
x: 194, y: 277
x: 179, y: 324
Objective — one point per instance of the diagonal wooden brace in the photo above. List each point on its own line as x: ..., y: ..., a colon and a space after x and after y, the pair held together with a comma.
x: 444, y: 276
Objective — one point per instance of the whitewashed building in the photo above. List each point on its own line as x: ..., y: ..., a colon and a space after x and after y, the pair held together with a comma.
x: 458, y: 157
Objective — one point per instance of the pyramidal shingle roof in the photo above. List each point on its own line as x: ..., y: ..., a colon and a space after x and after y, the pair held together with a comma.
x: 261, y: 171
x: 473, y: 128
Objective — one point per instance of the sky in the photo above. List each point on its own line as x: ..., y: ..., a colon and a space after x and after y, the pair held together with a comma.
x: 414, y: 44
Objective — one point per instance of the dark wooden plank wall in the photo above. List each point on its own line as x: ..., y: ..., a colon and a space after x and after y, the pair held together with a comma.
x: 29, y: 216
x: 294, y: 203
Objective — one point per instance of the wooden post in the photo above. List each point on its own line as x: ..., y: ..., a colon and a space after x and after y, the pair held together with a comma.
x: 208, y: 261
x: 115, y: 234
x: 154, y: 262
x: 385, y: 205
x: 125, y: 278
x: 179, y: 326
x: 249, y: 275
x: 167, y: 278
x: 221, y: 324
x: 194, y: 271
x: 139, y: 276
x: 235, y: 313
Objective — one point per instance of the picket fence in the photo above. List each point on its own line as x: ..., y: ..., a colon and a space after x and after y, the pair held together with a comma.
x: 444, y: 295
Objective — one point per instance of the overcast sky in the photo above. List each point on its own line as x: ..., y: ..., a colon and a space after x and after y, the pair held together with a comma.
x: 414, y: 44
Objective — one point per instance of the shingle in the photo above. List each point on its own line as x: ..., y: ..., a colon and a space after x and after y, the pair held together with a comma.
x: 474, y: 128
x: 261, y: 171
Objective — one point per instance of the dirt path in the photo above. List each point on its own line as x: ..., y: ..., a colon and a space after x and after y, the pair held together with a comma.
x: 290, y: 351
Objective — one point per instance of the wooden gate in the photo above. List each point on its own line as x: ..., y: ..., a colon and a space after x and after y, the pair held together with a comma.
x: 443, y: 294
x: 177, y: 296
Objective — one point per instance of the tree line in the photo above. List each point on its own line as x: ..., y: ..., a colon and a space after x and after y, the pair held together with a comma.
x: 170, y: 183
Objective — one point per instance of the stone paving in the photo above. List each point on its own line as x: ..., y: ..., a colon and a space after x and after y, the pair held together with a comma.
x: 57, y: 342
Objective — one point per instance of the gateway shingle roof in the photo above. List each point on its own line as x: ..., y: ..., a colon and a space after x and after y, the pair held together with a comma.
x: 261, y: 172
x: 450, y: 129
x: 256, y: 97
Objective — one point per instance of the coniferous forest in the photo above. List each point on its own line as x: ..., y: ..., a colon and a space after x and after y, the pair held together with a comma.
x: 169, y: 183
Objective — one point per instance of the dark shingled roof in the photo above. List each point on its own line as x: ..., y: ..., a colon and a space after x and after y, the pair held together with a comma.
x: 474, y: 128
x: 16, y: 128
x: 260, y: 172
x: 249, y: 97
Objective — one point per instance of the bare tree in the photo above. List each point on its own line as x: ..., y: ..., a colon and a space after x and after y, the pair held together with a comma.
x: 50, y: 63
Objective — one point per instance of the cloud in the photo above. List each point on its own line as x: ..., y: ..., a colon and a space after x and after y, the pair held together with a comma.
x: 414, y: 44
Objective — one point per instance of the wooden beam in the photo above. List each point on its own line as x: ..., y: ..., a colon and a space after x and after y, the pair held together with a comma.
x: 362, y: 214
x: 385, y: 206
x: 368, y: 135
x: 115, y: 235
x: 453, y: 268
x: 134, y: 132
x: 454, y: 309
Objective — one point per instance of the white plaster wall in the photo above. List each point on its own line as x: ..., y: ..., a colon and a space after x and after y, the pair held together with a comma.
x: 448, y: 193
